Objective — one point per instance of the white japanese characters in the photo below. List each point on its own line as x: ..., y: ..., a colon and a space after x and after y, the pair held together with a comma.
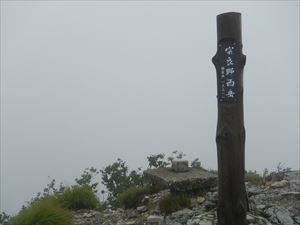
x: 230, y: 83
x: 227, y: 88
x: 229, y: 61
x: 229, y: 50
x: 229, y: 71
x: 230, y: 94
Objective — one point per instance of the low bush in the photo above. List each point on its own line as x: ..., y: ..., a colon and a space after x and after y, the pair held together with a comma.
x: 117, y: 178
x: 45, y: 211
x: 78, y: 197
x: 133, y: 195
x: 173, y: 203
x: 196, y: 163
x: 253, y: 177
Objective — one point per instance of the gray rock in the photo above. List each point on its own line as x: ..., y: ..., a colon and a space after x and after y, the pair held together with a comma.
x: 206, y: 222
x: 129, y: 223
x: 142, y: 209
x: 180, y: 165
x: 197, y: 211
x: 212, y: 196
x: 155, y: 220
x: 87, y: 215
x: 199, y: 222
x: 279, y: 184
x: 284, y: 217
x: 146, y: 200
x: 200, y: 199
x: 294, y: 180
x: 209, y: 205
x: 182, y: 216
x: 182, y: 212
x: 297, y: 219
x: 279, y: 215
x: 250, y: 218
x: 131, y: 213
x: 261, y: 207
x: 193, y: 222
x: 121, y: 222
x: 171, y: 222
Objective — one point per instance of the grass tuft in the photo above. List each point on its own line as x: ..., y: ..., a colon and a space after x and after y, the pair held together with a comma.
x: 46, y: 211
x: 79, y: 197
x: 172, y: 203
x: 253, y: 177
x: 134, y: 195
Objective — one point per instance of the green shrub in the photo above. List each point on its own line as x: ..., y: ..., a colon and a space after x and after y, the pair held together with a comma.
x: 117, y: 179
x: 253, y: 177
x: 78, y: 197
x: 159, y: 161
x: 173, y: 203
x: 133, y: 195
x: 196, y: 163
x: 87, y: 177
x: 45, y: 211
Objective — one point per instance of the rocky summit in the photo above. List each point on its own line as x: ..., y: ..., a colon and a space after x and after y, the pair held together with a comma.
x: 277, y: 202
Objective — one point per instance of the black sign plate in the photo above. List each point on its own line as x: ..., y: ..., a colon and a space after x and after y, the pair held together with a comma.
x: 227, y: 59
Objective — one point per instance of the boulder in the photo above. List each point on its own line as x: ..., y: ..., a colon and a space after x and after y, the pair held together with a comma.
x: 279, y: 215
x: 279, y: 184
x: 194, y: 180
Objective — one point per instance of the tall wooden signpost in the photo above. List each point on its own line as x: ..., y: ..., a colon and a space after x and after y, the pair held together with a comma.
x: 229, y: 62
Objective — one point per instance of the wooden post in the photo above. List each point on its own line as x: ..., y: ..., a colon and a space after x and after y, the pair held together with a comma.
x: 230, y: 138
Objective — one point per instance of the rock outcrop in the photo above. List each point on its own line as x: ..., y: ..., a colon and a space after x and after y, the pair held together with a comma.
x: 270, y: 204
x: 279, y: 201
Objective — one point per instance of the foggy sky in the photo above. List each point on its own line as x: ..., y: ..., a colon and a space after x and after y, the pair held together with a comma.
x: 83, y: 83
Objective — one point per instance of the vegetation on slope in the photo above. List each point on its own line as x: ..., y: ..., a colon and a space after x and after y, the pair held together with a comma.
x: 124, y: 188
x: 46, y: 211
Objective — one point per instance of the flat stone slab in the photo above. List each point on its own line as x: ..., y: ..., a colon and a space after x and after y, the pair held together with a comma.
x: 195, y: 179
